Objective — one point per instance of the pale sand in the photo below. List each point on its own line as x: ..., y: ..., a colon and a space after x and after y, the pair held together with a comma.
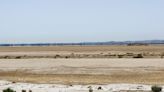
x: 83, y: 71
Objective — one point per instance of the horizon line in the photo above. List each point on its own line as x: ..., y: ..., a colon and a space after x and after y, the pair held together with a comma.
x: 81, y: 42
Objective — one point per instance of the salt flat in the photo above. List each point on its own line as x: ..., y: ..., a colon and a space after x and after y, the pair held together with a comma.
x: 18, y: 87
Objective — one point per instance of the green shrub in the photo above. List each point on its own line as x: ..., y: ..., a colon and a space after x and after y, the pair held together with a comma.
x: 156, y: 88
x: 8, y: 90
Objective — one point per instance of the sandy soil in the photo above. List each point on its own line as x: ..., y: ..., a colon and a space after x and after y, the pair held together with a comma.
x: 150, y: 48
x: 83, y: 64
x: 112, y: 51
x: 83, y: 71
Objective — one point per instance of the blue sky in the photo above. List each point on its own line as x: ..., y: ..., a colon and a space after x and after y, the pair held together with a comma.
x: 80, y: 20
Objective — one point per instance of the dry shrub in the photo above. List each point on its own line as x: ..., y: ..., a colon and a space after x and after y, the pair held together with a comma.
x: 23, y: 90
x: 162, y: 54
x: 156, y: 88
x: 17, y: 57
x: 8, y: 90
x: 90, y: 90
x: 120, y: 56
x: 99, y: 88
x: 138, y: 56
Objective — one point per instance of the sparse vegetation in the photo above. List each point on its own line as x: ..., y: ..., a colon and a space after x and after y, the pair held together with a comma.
x: 17, y: 57
x: 6, y: 57
x: 99, y: 88
x: 162, y: 54
x: 137, y: 44
x: 8, y: 90
x: 156, y: 88
x: 13, y: 82
x: 120, y: 56
x: 57, y: 56
x: 138, y: 56
x: 23, y: 90
x: 90, y: 89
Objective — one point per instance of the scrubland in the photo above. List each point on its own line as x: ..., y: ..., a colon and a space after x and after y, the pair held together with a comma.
x: 111, y: 51
x: 83, y: 64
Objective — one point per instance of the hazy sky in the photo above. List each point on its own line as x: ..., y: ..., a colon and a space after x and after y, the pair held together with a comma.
x: 80, y: 20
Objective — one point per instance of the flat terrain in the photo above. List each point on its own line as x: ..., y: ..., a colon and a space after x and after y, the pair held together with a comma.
x: 112, y: 51
x: 83, y: 64
x: 83, y: 71
x: 151, y: 48
x: 18, y: 87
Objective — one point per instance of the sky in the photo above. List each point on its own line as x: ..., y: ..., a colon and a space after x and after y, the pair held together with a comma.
x: 35, y: 21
